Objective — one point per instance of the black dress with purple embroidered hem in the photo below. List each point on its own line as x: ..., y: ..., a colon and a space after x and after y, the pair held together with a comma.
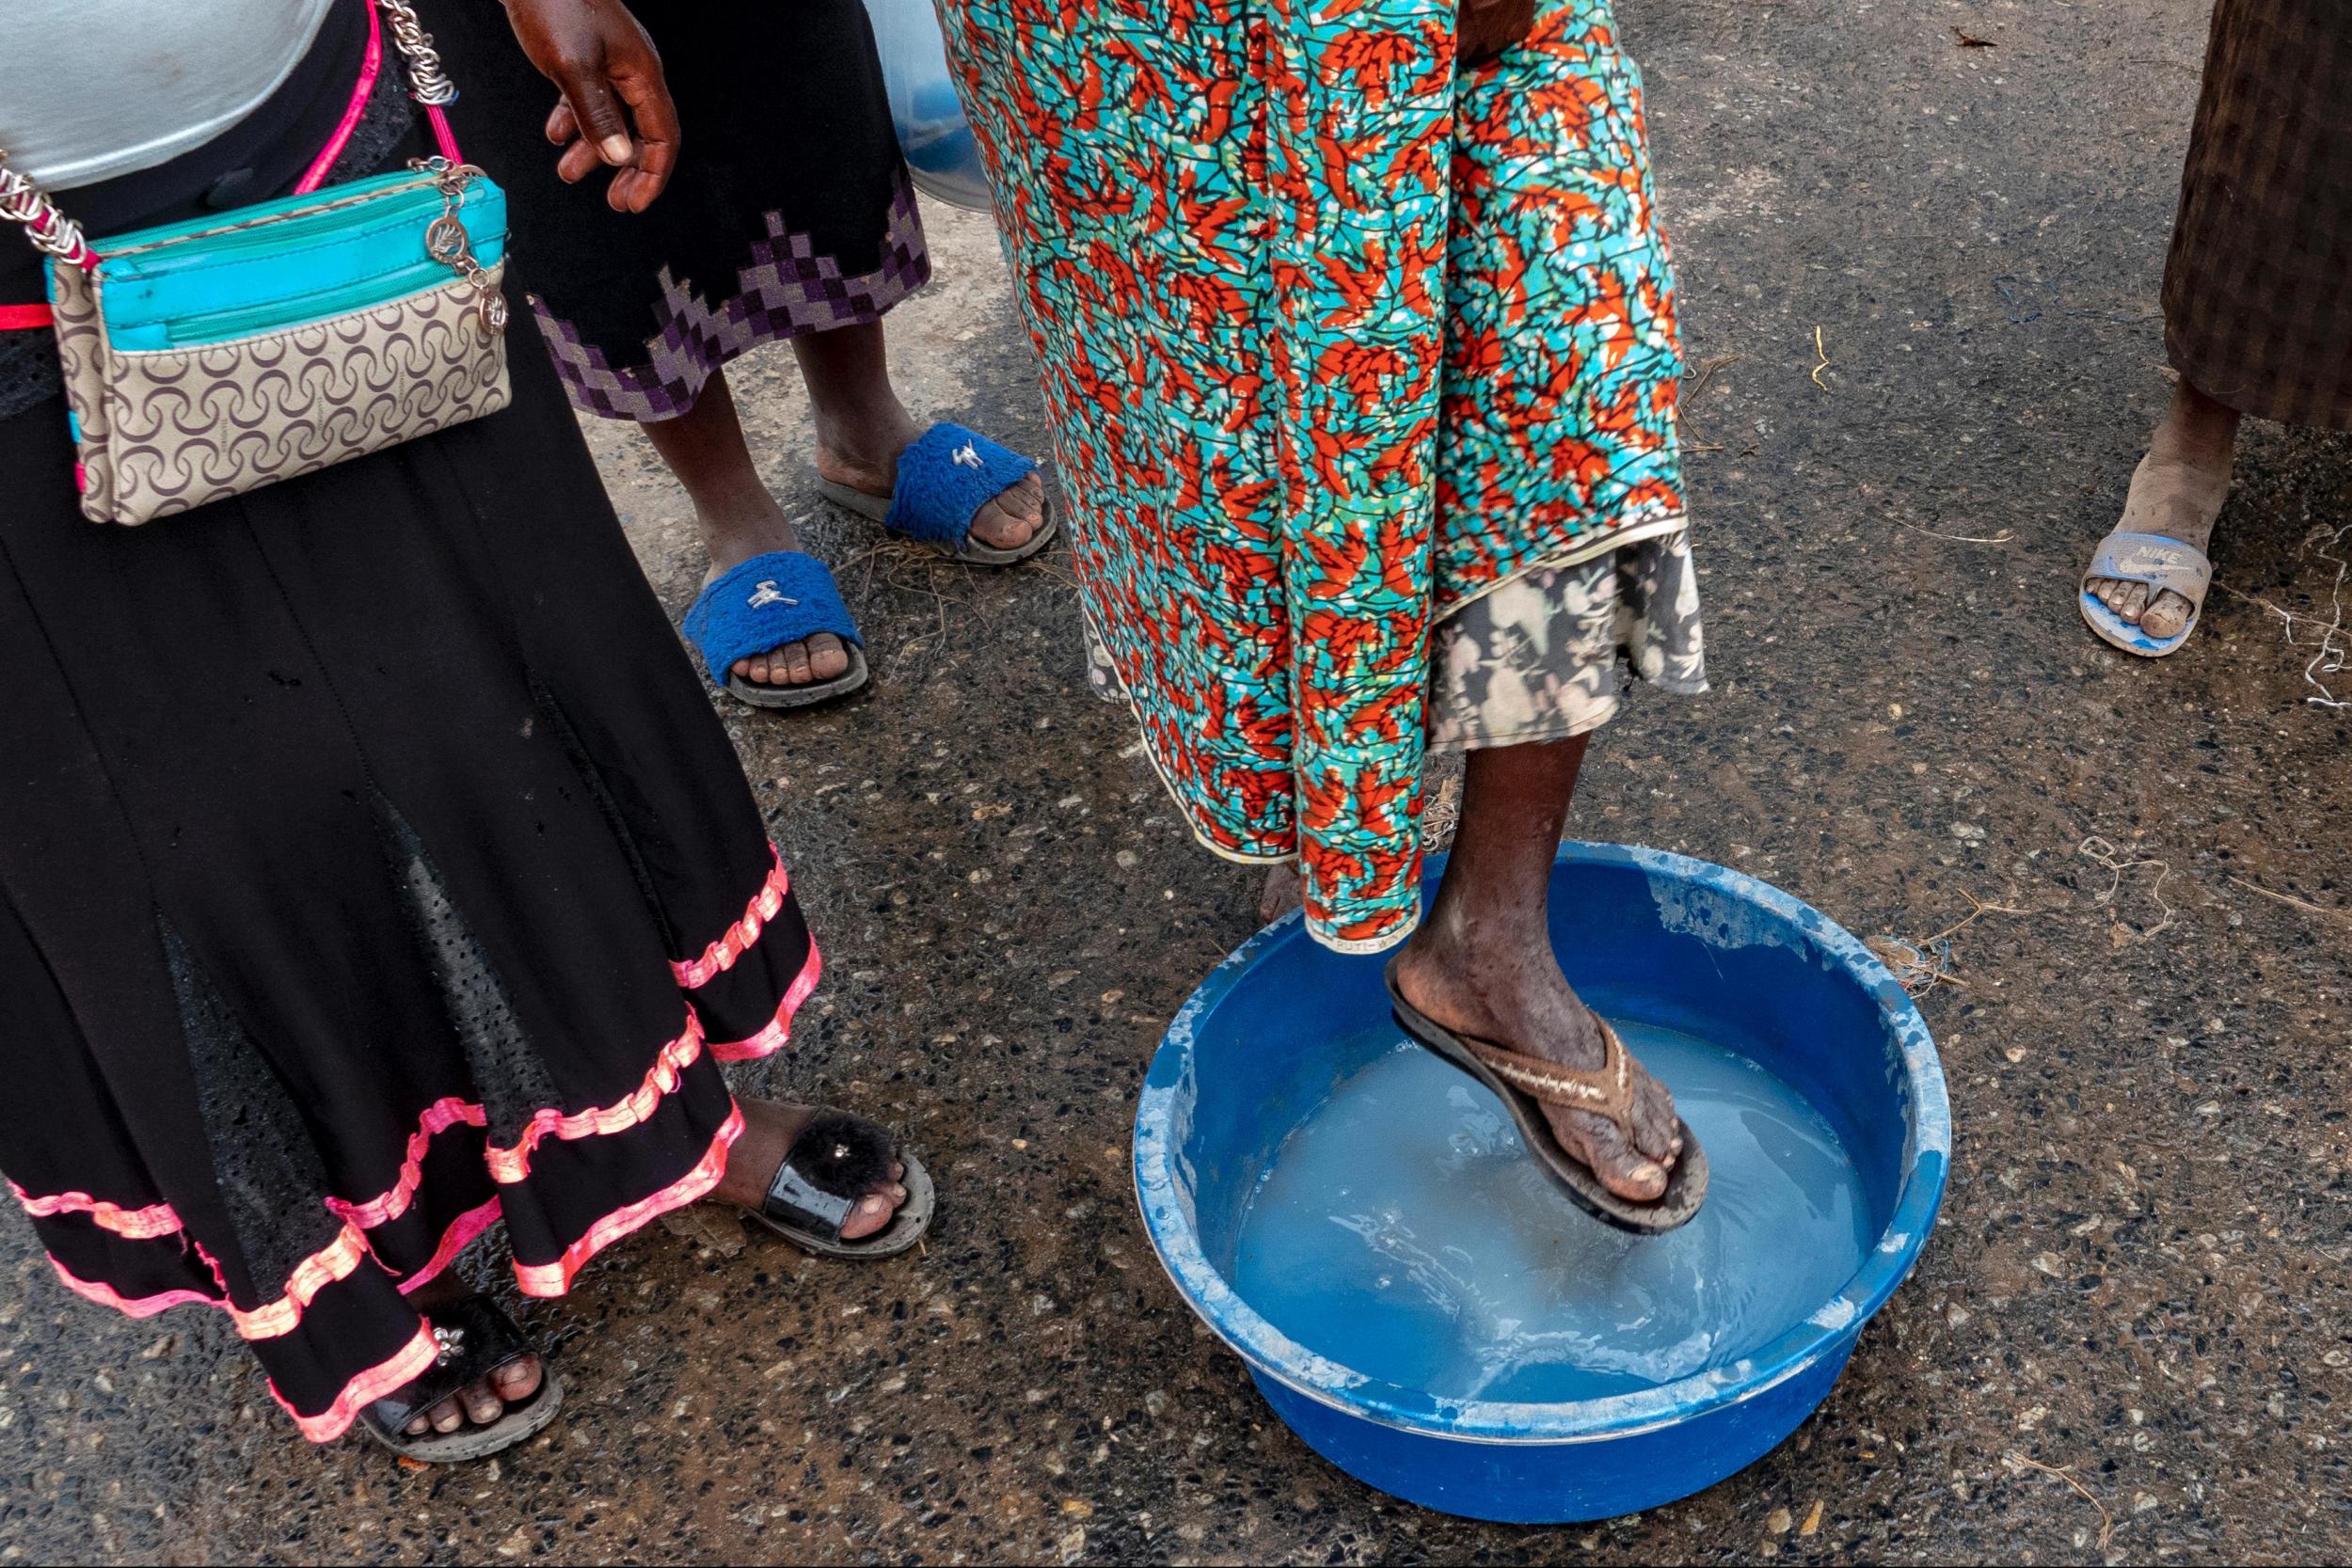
x: 790, y: 210
x: 372, y: 869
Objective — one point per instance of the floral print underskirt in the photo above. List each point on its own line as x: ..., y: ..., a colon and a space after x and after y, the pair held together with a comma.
x: 1545, y: 656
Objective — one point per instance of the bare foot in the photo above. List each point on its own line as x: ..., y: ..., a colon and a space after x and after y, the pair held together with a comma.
x: 481, y: 1403
x: 1509, y: 989
x: 2177, y: 493
x: 769, y: 1129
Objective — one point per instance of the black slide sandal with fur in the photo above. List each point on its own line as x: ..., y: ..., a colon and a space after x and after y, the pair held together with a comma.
x: 836, y: 1161
x: 477, y: 1338
x: 1606, y: 1093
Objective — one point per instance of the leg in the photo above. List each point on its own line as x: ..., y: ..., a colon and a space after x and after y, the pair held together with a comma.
x: 2177, y: 492
x: 1483, y: 964
x: 739, y: 519
x: 1281, y: 891
x: 862, y: 427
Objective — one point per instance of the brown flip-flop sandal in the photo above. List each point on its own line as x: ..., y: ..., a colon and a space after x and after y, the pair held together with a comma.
x: 1526, y: 1084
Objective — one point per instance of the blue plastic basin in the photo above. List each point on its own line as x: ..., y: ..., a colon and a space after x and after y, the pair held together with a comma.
x: 1646, y: 935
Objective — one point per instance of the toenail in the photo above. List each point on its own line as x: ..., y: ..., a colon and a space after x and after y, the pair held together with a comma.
x: 1648, y: 1170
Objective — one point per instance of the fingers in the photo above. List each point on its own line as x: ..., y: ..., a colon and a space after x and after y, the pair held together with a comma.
x: 640, y: 86
x: 579, y: 160
x: 596, y: 109
x: 563, y: 129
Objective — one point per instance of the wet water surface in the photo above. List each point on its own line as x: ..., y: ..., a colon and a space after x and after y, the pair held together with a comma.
x: 1402, y: 1231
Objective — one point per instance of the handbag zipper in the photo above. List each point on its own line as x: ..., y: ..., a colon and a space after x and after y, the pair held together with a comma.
x: 264, y: 231
x: 222, y: 326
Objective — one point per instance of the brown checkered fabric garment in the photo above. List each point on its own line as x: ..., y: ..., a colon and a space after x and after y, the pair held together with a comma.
x: 2258, y: 291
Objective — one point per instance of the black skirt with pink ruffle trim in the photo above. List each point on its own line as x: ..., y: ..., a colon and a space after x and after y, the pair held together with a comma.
x: 372, y: 871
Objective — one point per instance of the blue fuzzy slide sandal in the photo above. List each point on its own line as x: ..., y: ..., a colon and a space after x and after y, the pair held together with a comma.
x: 2159, y: 562
x: 770, y: 600
x: 944, y: 478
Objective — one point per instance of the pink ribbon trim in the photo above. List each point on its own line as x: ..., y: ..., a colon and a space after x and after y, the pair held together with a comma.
x: 553, y: 1279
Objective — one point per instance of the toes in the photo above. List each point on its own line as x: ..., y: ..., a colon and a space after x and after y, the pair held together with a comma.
x: 742, y: 667
x: 828, y: 656
x: 417, y: 1428
x: 1654, y: 1132
x: 1027, y: 500
x: 518, y: 1380
x: 761, y: 669
x: 2166, y: 616
x: 2127, y: 600
x: 999, y: 529
x: 1013, y: 517
x: 795, y: 656
x: 870, y: 1216
x: 483, y: 1404
x: 1623, y: 1169
x: 446, y: 1416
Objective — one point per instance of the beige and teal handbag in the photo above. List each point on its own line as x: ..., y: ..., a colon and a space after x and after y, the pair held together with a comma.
x: 208, y: 359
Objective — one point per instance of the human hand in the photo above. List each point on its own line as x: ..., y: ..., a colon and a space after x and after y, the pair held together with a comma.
x: 611, y: 76
x: 1485, y: 28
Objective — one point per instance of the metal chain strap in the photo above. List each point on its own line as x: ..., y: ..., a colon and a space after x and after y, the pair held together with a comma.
x: 427, y: 82
x: 447, y: 242
x: 23, y: 202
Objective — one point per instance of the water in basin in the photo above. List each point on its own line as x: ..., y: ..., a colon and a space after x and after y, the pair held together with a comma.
x: 1401, y: 1231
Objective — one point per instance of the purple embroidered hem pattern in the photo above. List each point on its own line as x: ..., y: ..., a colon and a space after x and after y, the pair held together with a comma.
x: 787, y: 290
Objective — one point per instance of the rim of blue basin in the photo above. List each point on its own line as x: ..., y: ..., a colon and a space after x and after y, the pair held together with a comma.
x: 1827, y: 1332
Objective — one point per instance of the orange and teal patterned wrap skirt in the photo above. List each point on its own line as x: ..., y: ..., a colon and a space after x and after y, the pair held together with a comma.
x: 1335, y: 340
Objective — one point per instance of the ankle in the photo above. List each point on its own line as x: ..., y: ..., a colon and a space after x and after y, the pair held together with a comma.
x: 735, y: 531
x: 759, y: 1152
x: 2196, y: 433
x: 868, y: 432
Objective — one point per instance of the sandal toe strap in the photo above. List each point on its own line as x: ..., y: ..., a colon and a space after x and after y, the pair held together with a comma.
x: 834, y: 1163
x: 946, y: 477
x: 1607, y: 1091
x: 476, y: 1339
x: 2158, y: 561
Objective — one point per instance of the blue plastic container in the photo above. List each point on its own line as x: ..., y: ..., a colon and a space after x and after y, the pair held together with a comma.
x: 932, y: 133
x: 1644, y: 935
